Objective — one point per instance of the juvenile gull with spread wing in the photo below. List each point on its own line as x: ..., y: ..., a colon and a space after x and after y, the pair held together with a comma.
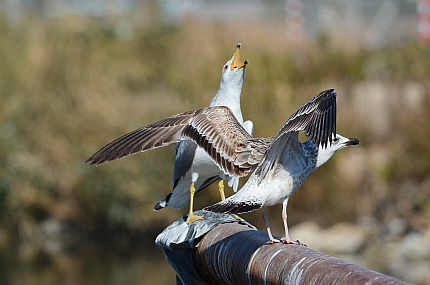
x: 283, y: 162
x: 279, y: 164
x: 194, y: 169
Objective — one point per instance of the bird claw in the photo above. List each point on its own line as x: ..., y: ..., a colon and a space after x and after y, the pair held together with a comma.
x: 272, y: 241
x: 192, y: 218
x: 288, y: 241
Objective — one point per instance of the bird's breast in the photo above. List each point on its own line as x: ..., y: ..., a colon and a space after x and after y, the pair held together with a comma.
x: 204, y: 164
x: 282, y: 185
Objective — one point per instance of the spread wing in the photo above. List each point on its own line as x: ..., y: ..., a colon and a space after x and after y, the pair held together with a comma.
x: 149, y: 137
x: 215, y: 129
x: 316, y: 118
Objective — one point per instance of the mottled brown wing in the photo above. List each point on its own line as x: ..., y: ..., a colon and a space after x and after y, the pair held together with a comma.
x: 149, y: 137
x: 219, y: 133
x: 215, y: 129
x: 252, y: 151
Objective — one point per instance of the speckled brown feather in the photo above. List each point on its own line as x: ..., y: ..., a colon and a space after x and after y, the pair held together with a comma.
x: 215, y: 129
x: 152, y: 136
x: 218, y: 132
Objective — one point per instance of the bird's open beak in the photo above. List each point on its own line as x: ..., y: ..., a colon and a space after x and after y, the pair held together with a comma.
x: 352, y: 141
x: 235, y: 63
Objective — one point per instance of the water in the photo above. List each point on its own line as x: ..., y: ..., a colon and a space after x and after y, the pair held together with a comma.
x: 87, y: 264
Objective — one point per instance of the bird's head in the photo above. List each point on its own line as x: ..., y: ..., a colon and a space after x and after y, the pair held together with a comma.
x: 234, y: 70
x: 338, y: 142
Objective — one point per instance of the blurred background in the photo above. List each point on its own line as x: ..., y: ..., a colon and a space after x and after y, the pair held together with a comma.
x: 77, y: 74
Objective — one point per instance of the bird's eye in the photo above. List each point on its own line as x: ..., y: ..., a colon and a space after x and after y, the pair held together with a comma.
x: 335, y: 140
x: 225, y: 67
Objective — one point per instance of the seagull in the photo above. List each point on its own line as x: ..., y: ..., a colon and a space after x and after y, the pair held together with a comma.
x: 193, y: 169
x: 281, y: 164
x: 278, y: 165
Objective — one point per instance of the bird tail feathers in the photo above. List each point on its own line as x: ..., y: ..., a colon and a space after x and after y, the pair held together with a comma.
x: 234, y: 183
x: 163, y: 203
x: 232, y: 207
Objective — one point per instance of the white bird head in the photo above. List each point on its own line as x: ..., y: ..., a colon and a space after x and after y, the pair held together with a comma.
x: 230, y: 87
x: 233, y: 72
x: 339, y: 142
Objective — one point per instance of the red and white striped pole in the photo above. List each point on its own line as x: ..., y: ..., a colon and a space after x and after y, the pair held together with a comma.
x: 423, y: 8
x: 294, y: 22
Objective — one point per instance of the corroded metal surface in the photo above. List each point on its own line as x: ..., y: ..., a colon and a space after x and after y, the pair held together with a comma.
x: 180, y: 235
x: 233, y: 253
x: 180, y: 240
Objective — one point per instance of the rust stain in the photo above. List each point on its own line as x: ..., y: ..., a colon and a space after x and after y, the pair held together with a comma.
x: 234, y: 254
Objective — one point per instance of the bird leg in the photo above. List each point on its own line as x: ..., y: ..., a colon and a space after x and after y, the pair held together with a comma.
x: 287, y: 239
x: 266, y: 220
x: 221, y: 192
x: 191, y: 217
x: 221, y: 189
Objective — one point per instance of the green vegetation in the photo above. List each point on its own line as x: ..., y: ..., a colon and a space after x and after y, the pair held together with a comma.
x: 70, y: 86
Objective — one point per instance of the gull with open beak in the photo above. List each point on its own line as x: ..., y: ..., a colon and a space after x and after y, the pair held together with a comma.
x: 193, y: 169
x: 278, y: 165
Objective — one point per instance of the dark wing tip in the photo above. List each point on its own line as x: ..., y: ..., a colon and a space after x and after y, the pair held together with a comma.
x: 331, y: 92
x: 162, y: 203
x: 93, y: 160
x: 322, y: 126
x: 232, y: 207
x: 155, y: 135
x: 103, y: 156
x: 97, y: 159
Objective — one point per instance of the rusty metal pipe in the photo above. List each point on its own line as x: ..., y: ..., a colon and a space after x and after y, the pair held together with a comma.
x: 236, y: 254
x: 224, y: 249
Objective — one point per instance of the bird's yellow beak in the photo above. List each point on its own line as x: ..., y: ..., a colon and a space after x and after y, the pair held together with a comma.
x: 235, y: 63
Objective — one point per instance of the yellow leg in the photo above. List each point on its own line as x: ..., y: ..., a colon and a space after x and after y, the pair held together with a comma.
x: 221, y: 189
x: 191, y: 217
x: 221, y: 192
